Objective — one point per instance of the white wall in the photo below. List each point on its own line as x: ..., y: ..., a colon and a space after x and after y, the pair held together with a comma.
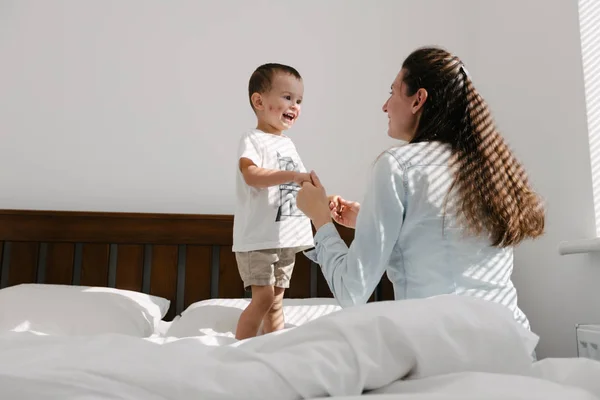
x: 528, y: 66
x: 138, y: 106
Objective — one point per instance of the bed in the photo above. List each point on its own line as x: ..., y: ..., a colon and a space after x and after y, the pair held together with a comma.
x: 183, y: 258
x: 101, y: 300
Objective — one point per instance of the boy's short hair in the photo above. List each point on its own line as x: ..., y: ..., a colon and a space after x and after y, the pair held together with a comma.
x: 262, y: 78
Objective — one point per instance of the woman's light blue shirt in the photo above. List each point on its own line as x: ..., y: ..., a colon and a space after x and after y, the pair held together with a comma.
x: 401, y: 230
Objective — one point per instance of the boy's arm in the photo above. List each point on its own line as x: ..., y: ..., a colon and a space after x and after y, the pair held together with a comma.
x: 262, y: 178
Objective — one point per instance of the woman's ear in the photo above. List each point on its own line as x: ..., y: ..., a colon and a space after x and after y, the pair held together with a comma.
x: 257, y: 101
x: 419, y: 100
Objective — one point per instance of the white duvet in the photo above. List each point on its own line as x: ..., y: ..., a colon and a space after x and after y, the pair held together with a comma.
x: 439, y: 348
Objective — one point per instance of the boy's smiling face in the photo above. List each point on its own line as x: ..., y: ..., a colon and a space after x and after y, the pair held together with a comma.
x: 278, y: 109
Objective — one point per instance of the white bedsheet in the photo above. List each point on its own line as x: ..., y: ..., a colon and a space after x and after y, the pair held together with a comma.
x: 551, y: 378
x: 219, y: 317
x: 477, y: 386
x: 342, y: 354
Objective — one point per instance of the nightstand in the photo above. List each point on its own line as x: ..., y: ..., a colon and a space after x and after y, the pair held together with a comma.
x: 588, y: 340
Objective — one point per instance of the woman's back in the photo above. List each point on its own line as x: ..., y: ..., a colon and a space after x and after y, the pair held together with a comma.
x: 433, y: 254
x: 442, y: 214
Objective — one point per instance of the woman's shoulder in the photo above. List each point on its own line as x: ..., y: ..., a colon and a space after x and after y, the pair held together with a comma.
x: 415, y: 154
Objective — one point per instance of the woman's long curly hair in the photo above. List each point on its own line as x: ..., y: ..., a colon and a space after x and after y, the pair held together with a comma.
x: 494, y: 195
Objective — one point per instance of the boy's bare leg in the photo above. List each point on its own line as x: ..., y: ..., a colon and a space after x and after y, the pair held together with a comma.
x: 251, y: 317
x: 273, y: 319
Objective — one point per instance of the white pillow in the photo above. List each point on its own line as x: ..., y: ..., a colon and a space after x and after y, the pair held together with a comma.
x: 79, y: 310
x: 427, y: 337
x: 219, y: 317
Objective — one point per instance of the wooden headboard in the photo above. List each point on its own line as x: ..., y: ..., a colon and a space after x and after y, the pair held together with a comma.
x: 184, y: 258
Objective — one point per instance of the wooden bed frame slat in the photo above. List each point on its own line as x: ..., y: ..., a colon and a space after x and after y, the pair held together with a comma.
x: 130, y: 267
x: 230, y: 284
x: 184, y: 258
x: 300, y: 283
x: 4, y: 264
x: 59, y: 263
x: 163, y: 279
x: 1, y: 261
x: 130, y: 228
x: 94, y: 265
x: 322, y: 287
x: 23, y: 263
x: 197, y: 274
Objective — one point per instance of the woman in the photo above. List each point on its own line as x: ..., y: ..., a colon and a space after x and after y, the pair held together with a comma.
x: 442, y: 213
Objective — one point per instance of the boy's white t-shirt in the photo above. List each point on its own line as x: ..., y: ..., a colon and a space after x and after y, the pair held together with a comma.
x: 268, y: 218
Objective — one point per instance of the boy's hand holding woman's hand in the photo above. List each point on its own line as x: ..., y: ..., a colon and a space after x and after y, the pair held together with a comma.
x: 313, y: 201
x: 301, y: 177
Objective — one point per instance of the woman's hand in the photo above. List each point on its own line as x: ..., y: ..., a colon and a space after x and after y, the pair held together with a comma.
x: 344, y: 212
x: 313, y: 202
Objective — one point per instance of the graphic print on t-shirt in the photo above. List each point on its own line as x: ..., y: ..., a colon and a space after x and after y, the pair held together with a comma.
x: 287, y: 191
